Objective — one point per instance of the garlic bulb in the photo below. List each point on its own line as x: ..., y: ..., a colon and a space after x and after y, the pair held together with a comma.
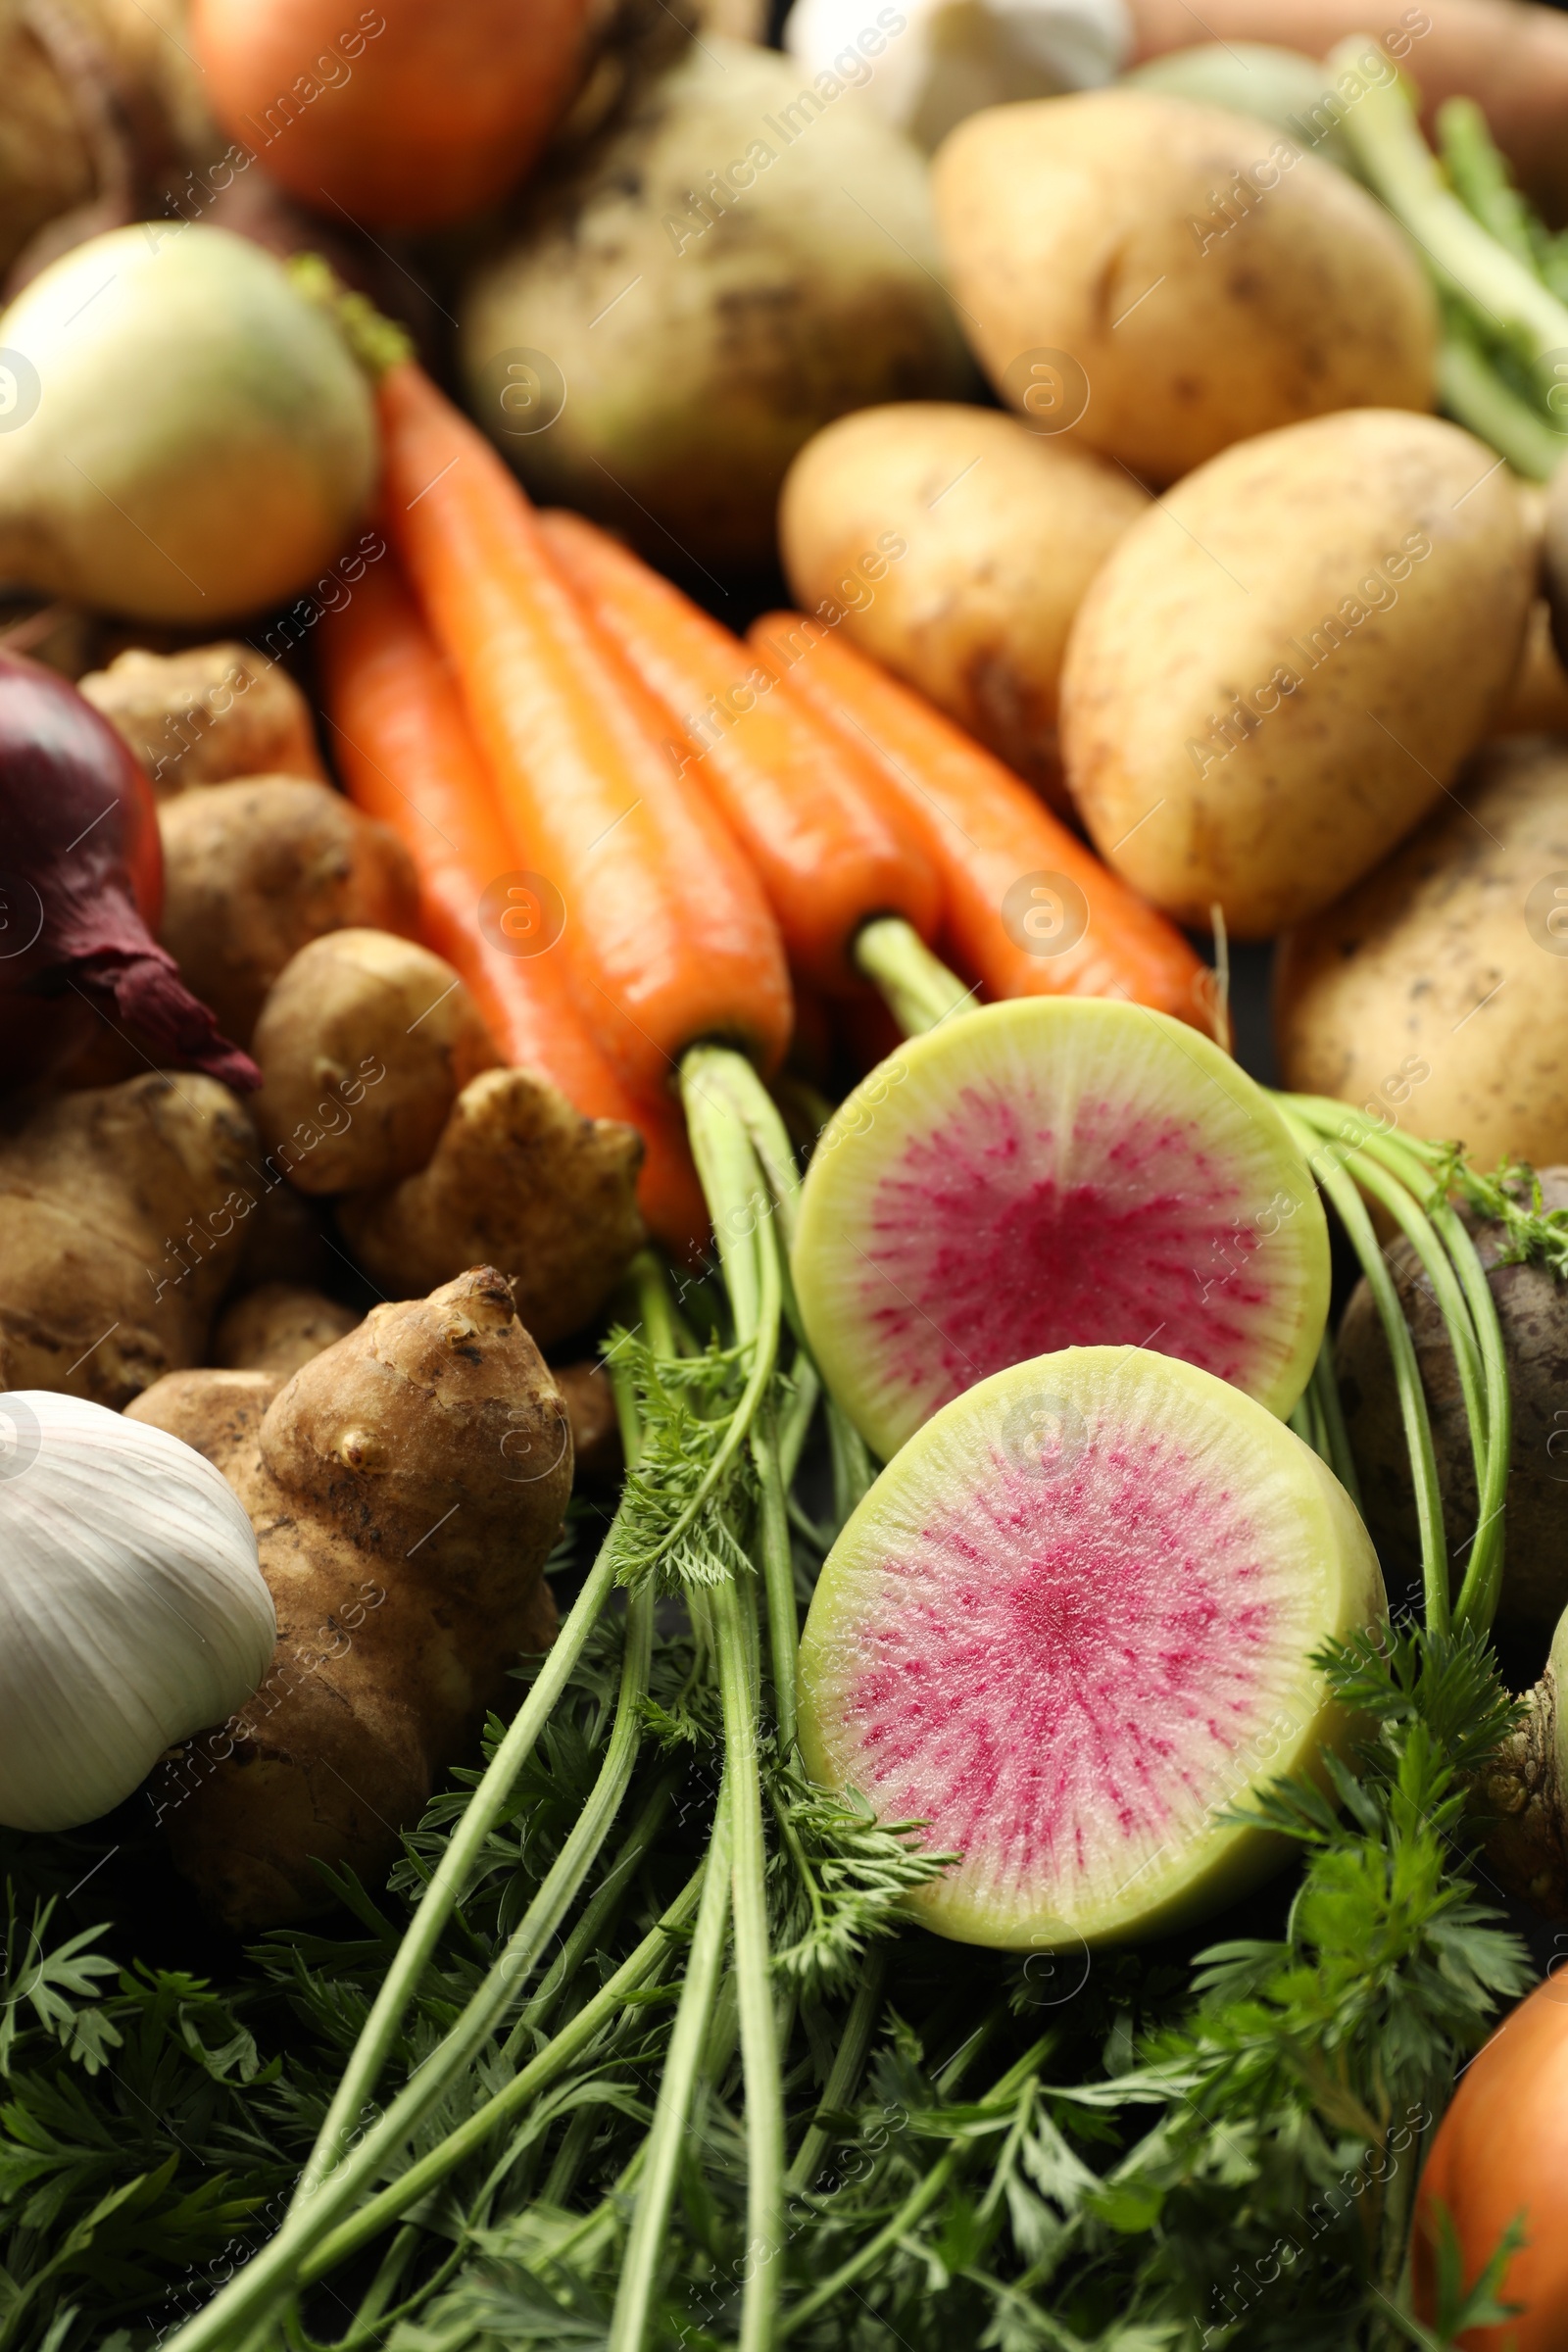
x: 132, y: 1610
x: 924, y: 64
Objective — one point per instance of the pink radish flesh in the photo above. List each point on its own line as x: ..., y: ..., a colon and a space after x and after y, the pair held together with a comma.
x: 1057, y: 1674
x: 979, y: 1254
x: 1051, y: 1174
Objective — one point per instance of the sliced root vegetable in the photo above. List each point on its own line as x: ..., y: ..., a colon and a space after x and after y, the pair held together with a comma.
x: 1070, y: 1628
x: 1054, y: 1173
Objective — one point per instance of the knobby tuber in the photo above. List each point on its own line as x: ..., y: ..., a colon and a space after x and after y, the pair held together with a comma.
x: 520, y: 1178
x: 406, y: 1486
x: 206, y: 715
x: 122, y: 1219
x: 278, y: 1327
x: 348, y: 1006
x: 254, y: 870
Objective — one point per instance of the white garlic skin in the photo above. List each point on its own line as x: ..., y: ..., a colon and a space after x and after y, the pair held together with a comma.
x: 132, y: 1608
x: 954, y: 57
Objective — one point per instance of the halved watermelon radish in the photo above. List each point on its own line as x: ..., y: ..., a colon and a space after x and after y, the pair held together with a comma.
x: 1051, y: 1173
x: 1069, y: 1659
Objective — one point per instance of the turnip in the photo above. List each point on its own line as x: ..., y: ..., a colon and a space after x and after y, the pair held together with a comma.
x: 729, y: 265
x: 189, y: 438
x: 1070, y: 1630
x: 1048, y: 1173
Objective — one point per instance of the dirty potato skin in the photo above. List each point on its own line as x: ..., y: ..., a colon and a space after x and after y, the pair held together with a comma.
x: 1090, y: 226
x: 121, y: 1221
x: 958, y: 545
x: 253, y: 870
x: 521, y: 1180
x: 369, y: 1039
x: 1440, y: 987
x: 1279, y: 667
x: 1533, y: 1310
x: 405, y: 1555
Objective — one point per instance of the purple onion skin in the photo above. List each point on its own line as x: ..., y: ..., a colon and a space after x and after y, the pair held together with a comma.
x: 81, y: 879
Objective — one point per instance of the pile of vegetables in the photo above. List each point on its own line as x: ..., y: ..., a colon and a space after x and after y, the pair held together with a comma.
x: 738, y: 1605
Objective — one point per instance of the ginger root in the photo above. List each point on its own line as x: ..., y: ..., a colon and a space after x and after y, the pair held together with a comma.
x: 252, y: 871
x: 121, y: 1221
x: 405, y: 1552
x: 520, y: 1180
x: 206, y: 715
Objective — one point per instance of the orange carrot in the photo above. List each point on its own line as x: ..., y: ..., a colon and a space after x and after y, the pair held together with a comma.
x: 668, y: 932
x: 1030, y: 910
x: 406, y: 755
x: 817, y: 816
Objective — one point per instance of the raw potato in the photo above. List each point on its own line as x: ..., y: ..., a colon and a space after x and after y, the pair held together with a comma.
x: 1091, y: 227
x: 1533, y: 1310
x: 405, y: 1555
x: 1438, y: 991
x: 206, y: 715
x: 958, y: 545
x: 252, y: 871
x: 1280, y: 668
x: 277, y: 1328
x: 696, y: 337
x: 519, y: 1179
x: 110, y: 1265
x: 365, y: 1042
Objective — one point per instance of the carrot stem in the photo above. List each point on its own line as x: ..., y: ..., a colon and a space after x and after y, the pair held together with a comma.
x: 1028, y: 907
x: 919, y: 991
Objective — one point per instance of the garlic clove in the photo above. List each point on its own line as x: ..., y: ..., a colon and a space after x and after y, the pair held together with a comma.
x: 133, y: 1607
x: 927, y: 64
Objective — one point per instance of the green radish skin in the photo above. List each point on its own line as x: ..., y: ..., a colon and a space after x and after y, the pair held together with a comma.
x: 1050, y: 1173
x: 1068, y: 1629
x: 203, y: 440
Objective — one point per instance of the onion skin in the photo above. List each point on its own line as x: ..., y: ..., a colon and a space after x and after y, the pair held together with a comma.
x: 427, y: 119
x: 81, y: 887
x: 1501, y: 2154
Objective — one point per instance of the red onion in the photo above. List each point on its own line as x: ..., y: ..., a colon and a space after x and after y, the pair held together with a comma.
x: 82, y: 878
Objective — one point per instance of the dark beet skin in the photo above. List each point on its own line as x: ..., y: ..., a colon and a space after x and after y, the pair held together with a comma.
x: 80, y: 885
x: 1533, y: 1310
